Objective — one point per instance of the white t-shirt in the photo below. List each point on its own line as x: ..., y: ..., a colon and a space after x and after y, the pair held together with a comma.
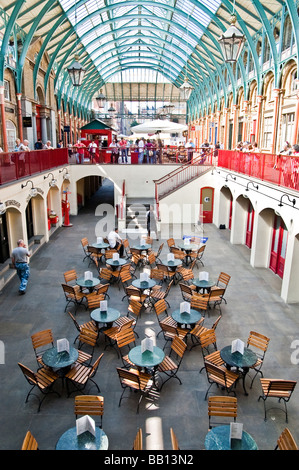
x: 113, y: 237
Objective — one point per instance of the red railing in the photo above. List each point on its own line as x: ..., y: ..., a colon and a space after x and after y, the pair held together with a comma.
x: 16, y: 165
x: 277, y: 169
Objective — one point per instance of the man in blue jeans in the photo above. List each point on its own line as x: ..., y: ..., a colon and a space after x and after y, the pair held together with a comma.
x: 19, y: 258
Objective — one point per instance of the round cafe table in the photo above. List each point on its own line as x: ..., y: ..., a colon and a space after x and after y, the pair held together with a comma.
x: 107, y: 317
x: 184, y: 318
x: 218, y: 439
x: 242, y: 362
x: 89, y: 284
x: 116, y: 263
x: 172, y: 264
x: 60, y: 360
x: 202, y: 284
x: 144, y: 247
x: 188, y: 249
x: 101, y: 246
x: 146, y: 359
x: 85, y: 441
x: 143, y: 285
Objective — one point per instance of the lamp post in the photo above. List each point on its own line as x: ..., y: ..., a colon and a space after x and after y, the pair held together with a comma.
x: 232, y: 42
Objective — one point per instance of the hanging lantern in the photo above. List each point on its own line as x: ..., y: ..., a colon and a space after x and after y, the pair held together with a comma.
x: 76, y: 72
x: 111, y: 111
x: 232, y: 42
x: 101, y: 99
x: 186, y: 89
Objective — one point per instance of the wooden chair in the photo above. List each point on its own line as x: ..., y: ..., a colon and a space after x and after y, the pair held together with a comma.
x: 215, y: 297
x: 135, y: 380
x: 127, y: 249
x: 221, y: 377
x: 277, y: 388
x: 85, y: 244
x: 286, y: 441
x: 170, y: 332
x: 42, y: 341
x: 186, y: 291
x: 167, y: 273
x: 29, y: 443
x: 103, y: 290
x: 222, y: 281
x: 73, y: 296
x: 138, y: 442
x: 43, y: 380
x: 170, y: 242
x: 92, y: 405
x: 156, y: 294
x: 199, y: 329
x: 70, y: 276
x: 94, y: 300
x: 210, y: 353
x: 198, y: 255
x: 171, y: 363
x: 125, y: 338
x: 79, y: 375
x: 259, y: 343
x: 105, y: 275
x: 222, y: 407
x: 158, y: 276
x: 87, y: 342
x: 174, y: 441
x: 198, y: 302
x: 161, y: 310
x: 178, y: 254
x: 90, y: 325
x: 111, y: 333
x: 158, y: 253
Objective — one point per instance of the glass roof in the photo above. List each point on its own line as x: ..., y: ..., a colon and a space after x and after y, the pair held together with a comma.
x: 157, y: 35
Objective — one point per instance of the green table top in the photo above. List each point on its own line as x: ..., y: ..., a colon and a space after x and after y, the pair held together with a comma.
x: 59, y: 360
x: 236, y: 359
x: 203, y: 283
x: 186, y: 318
x: 105, y: 317
x: 218, y: 439
x: 119, y: 262
x: 100, y: 246
x: 188, y: 247
x: 89, y: 282
x: 175, y: 262
x: 142, y: 247
x: 85, y: 441
x: 147, y: 358
x: 144, y: 284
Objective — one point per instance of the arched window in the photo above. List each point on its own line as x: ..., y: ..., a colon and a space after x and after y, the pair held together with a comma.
x: 266, y: 50
x: 287, y: 34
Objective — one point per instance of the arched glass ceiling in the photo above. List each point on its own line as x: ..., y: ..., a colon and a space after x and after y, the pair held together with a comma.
x: 153, y: 34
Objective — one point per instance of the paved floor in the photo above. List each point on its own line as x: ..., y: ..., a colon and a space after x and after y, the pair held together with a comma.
x: 253, y: 303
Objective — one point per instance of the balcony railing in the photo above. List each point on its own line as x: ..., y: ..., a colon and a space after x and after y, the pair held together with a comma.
x: 281, y: 170
x: 17, y: 165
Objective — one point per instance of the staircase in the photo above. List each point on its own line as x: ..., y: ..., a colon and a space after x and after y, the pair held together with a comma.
x: 136, y: 209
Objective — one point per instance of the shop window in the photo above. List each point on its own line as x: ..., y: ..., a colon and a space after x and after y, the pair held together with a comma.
x: 268, y: 129
x: 6, y: 90
x: 287, y: 126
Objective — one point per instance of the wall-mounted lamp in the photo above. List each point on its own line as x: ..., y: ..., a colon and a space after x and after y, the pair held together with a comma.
x: 53, y: 182
x: 66, y: 176
x: 33, y: 190
x: 2, y: 208
x: 293, y: 201
x: 232, y: 177
x: 254, y: 185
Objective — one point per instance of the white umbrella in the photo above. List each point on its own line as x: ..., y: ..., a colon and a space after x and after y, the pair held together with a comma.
x: 159, y: 125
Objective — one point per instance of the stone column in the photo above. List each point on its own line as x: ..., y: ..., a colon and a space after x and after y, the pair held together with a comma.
x: 276, y: 93
x: 3, y: 120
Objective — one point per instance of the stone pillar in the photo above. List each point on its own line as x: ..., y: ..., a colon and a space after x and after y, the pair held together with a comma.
x: 3, y: 120
x: 276, y: 93
x: 235, y: 125
x: 296, y: 124
x: 258, y: 120
x: 19, y: 116
x: 226, y: 115
x: 245, y: 123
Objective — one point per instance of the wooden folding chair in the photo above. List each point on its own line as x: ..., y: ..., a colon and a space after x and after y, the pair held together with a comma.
x: 225, y: 378
x: 277, y: 388
x: 92, y: 405
x: 29, y: 443
x: 171, y: 363
x: 222, y: 407
x: 41, y: 341
x: 80, y: 375
x: 259, y: 343
x: 90, y: 325
x: 286, y: 441
x: 135, y: 380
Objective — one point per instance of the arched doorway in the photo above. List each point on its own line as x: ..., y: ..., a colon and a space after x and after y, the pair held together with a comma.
x: 249, y: 228
x: 207, y: 203
x: 4, y: 245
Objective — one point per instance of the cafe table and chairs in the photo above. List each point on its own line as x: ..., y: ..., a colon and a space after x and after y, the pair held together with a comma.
x: 142, y: 249
x: 60, y: 357
x: 146, y: 357
x: 104, y: 315
x: 144, y: 284
x: 187, y: 247
x: 84, y: 436
x: 186, y: 316
x: 239, y: 357
x: 172, y: 264
x: 88, y: 281
x: 222, y: 438
x: 203, y: 283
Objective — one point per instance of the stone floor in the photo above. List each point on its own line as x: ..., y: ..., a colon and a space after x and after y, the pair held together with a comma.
x: 253, y: 303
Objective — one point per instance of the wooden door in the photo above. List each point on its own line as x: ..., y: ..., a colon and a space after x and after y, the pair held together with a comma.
x: 29, y: 220
x: 207, y: 199
x: 279, y: 246
x: 249, y: 228
x: 4, y: 247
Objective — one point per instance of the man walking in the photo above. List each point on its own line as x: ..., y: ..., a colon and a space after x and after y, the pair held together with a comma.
x: 19, y: 258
